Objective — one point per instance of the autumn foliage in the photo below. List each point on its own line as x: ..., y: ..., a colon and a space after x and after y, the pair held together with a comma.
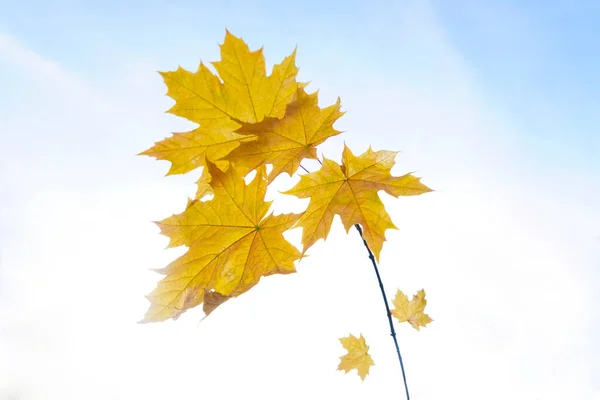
x: 246, y: 121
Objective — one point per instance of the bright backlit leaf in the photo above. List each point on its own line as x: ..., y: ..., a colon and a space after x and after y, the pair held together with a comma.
x: 411, y: 311
x: 203, y: 185
x: 245, y: 94
x: 285, y: 142
x: 350, y: 191
x: 250, y: 94
x: 232, y: 244
x: 188, y: 150
x: 358, y: 356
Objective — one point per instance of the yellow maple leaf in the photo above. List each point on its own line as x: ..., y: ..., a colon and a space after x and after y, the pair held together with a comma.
x: 249, y: 93
x: 246, y: 94
x: 203, y: 185
x: 188, y: 150
x: 350, y: 191
x: 192, y: 297
x: 285, y: 142
x: 231, y: 241
x: 189, y: 299
x: 411, y: 311
x: 358, y: 356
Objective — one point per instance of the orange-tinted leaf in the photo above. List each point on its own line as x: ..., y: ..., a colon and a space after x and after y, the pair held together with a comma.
x: 358, y: 356
x: 350, y: 191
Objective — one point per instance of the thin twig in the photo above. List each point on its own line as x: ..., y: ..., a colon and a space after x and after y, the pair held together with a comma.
x: 387, y: 307
x: 301, y: 166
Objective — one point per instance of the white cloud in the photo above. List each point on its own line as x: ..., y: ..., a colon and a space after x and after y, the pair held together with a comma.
x: 507, y: 280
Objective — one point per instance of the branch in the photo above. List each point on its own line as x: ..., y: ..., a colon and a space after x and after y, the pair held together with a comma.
x: 387, y: 307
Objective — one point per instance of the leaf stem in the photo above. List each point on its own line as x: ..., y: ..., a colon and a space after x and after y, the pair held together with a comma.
x: 387, y: 307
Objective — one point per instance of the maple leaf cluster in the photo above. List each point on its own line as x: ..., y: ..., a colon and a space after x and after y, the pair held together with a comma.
x: 246, y: 121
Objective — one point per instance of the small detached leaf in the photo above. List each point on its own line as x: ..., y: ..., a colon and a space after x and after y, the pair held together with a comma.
x: 411, y: 311
x: 358, y: 356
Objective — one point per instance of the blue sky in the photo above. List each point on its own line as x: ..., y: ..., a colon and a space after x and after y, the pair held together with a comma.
x: 495, y: 106
x: 539, y: 59
x: 525, y: 60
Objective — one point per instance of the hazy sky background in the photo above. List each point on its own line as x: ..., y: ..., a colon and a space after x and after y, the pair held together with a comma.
x: 495, y: 106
